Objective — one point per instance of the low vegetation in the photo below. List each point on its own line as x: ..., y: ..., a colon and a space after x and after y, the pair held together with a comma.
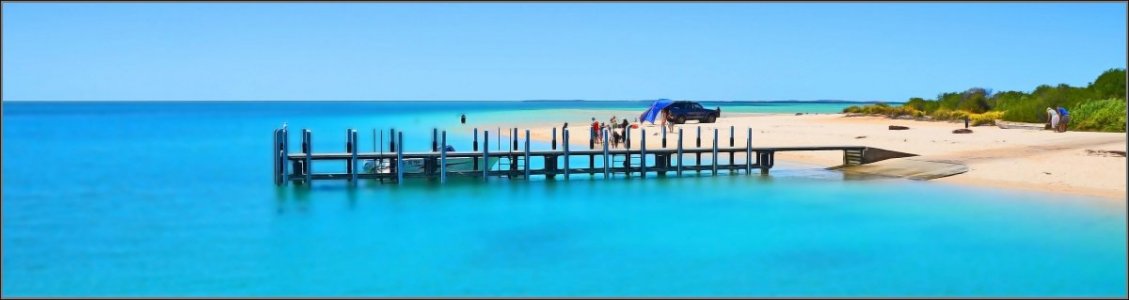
x: 1099, y: 106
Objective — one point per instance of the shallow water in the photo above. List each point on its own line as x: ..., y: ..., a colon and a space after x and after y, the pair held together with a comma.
x: 167, y: 199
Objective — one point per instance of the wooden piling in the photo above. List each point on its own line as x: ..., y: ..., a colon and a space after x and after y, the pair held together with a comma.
x: 353, y: 159
x: 400, y: 158
x: 475, y: 148
x: 285, y: 155
x: 731, y: 153
x: 679, y: 151
x: 714, y: 151
x: 443, y: 160
x: 698, y: 155
x: 642, y: 153
x: 307, y: 147
x: 566, y: 156
x: 554, y: 138
x: 485, y: 154
x: 749, y: 152
x: 527, y: 154
x: 627, y: 146
x: 276, y: 157
x: 606, y: 162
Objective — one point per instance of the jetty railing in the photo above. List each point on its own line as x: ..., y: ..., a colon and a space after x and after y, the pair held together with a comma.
x: 438, y: 162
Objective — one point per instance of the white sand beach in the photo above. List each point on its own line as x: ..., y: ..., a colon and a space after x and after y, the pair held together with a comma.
x: 1037, y: 160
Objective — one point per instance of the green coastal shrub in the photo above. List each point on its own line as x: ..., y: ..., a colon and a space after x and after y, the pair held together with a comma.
x: 1099, y: 115
x: 988, y: 118
x: 945, y: 114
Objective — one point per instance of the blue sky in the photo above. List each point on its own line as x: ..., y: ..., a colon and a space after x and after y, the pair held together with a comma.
x: 517, y: 51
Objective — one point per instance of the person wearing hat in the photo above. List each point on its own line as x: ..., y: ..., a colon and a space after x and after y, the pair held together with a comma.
x: 1052, y: 118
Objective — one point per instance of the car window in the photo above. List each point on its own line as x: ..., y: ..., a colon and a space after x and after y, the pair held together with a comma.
x: 697, y: 106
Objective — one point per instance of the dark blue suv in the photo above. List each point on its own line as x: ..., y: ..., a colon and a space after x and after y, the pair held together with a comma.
x: 680, y: 111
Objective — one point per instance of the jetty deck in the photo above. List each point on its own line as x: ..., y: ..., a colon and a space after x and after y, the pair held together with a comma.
x: 514, y: 162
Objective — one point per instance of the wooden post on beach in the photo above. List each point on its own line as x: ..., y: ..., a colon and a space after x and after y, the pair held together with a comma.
x: 680, y: 151
x: 554, y: 138
x: 714, y: 151
x: 353, y: 159
x: 606, y: 154
x: 642, y: 152
x: 443, y: 160
x: 564, y: 132
x: 307, y: 147
x: 664, y: 138
x: 514, y: 137
x: 400, y: 158
x: 749, y: 152
x: 485, y: 154
x: 434, y: 139
x: 527, y: 154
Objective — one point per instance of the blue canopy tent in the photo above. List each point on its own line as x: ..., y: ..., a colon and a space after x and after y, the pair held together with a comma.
x: 653, y: 111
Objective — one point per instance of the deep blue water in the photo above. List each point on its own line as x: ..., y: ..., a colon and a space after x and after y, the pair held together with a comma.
x: 175, y: 199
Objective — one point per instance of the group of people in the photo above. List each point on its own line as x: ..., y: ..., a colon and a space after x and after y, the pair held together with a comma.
x: 1057, y: 118
x: 617, y: 131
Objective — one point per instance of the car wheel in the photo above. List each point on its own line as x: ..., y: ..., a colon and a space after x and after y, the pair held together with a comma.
x: 680, y: 120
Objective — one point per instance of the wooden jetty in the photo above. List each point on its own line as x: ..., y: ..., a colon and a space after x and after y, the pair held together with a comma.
x: 514, y: 163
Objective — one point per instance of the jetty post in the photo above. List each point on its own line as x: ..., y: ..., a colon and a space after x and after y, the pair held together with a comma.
x: 554, y: 138
x: 276, y: 157
x: 627, y: 154
x: 400, y: 158
x: 307, y: 147
x: 731, y: 153
x: 566, y: 156
x: 352, y: 147
x: 749, y: 152
x: 642, y: 153
x: 680, y: 151
x: 485, y: 154
x: 443, y: 160
x: 714, y: 160
x: 527, y: 154
x: 285, y: 155
x: 698, y: 145
x: 606, y: 154
x: 475, y: 148
x: 591, y: 146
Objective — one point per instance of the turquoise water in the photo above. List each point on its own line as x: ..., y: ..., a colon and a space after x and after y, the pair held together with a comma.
x: 175, y: 199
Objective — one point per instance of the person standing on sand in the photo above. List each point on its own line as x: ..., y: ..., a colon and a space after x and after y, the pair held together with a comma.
x: 1052, y: 117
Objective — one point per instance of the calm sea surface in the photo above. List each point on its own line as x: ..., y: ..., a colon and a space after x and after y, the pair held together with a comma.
x: 177, y: 199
